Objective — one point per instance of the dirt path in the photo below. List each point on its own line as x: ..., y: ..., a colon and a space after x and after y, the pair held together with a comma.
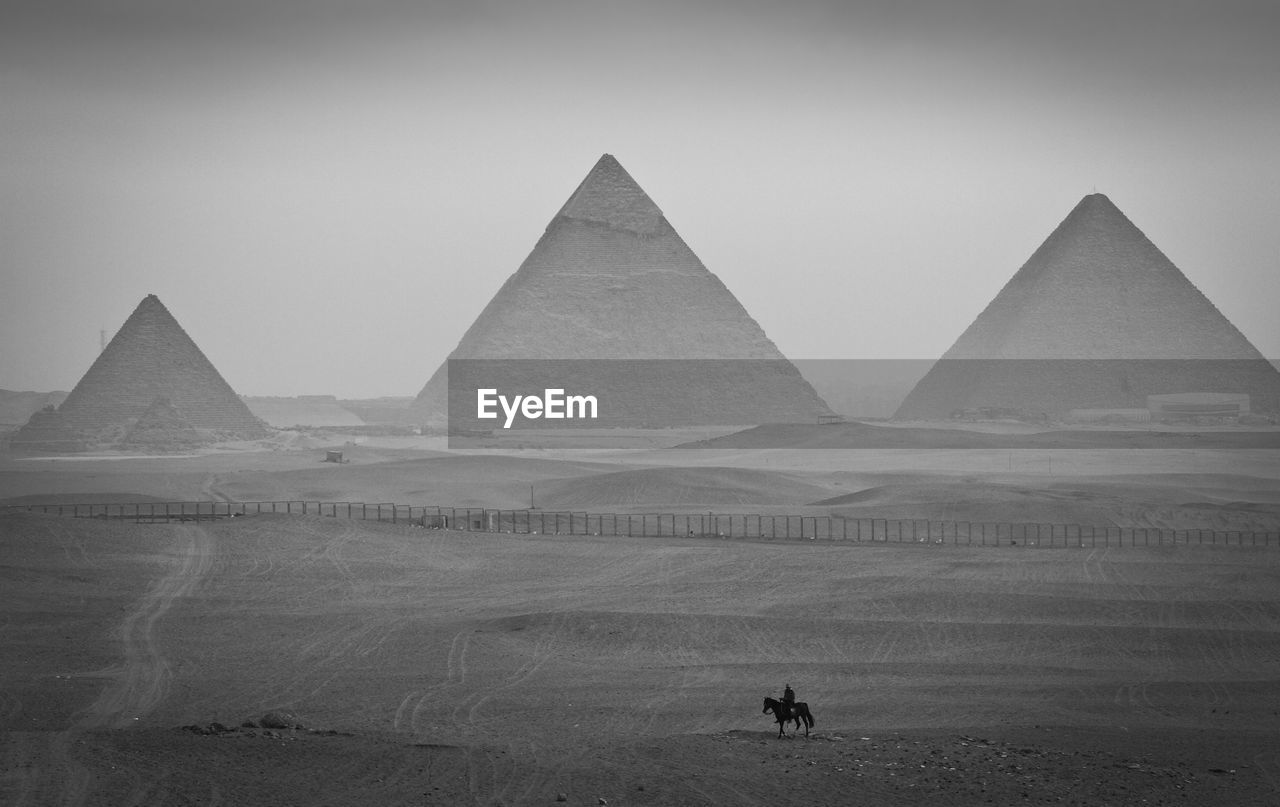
x: 132, y: 689
x: 209, y: 488
x: 143, y: 679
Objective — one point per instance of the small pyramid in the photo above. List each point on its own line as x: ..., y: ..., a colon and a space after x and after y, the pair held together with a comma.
x: 162, y: 426
x: 151, y: 357
x: 1099, y: 318
x: 610, y: 279
x: 46, y: 431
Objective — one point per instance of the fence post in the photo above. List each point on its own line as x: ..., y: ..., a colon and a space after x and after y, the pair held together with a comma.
x: 809, y: 525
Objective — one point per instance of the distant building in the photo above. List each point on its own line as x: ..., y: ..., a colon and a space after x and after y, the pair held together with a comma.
x: 1197, y: 405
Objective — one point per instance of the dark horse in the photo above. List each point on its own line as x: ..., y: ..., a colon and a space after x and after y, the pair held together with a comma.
x: 799, y: 713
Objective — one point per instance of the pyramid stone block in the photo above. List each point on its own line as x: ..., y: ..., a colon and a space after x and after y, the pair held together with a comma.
x: 610, y: 279
x: 1097, y: 318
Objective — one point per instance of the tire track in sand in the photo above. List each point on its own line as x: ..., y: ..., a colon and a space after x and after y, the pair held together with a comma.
x: 142, y: 680
x: 421, y: 700
x: 134, y: 687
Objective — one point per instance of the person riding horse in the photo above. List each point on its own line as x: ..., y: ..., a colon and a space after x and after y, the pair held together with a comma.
x: 789, y: 700
x: 789, y: 710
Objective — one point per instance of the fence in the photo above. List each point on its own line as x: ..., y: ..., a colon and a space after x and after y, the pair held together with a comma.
x: 701, y: 525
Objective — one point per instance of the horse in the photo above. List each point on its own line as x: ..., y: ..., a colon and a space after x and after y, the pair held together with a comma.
x: 798, y: 713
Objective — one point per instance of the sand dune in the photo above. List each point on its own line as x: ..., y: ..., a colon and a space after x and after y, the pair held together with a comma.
x: 1012, y: 436
x: 1209, y: 489
x: 452, y: 668
x: 450, y: 480
x: 1231, y: 503
x: 679, y: 487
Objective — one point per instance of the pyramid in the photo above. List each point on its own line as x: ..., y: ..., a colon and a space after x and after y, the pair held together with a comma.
x: 1097, y: 318
x: 162, y: 426
x: 150, y: 358
x: 611, y: 284
x: 45, y: 431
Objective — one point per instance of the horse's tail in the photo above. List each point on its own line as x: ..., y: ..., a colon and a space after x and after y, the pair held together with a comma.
x: 808, y: 718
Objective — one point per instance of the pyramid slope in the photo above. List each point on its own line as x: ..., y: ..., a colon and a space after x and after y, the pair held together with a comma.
x: 153, y: 357
x: 1098, y: 288
x: 611, y: 279
x: 1098, y: 317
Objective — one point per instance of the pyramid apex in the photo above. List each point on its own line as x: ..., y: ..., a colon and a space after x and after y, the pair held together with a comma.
x: 608, y: 195
x: 1098, y: 203
x: 1094, y: 201
x: 1095, y: 212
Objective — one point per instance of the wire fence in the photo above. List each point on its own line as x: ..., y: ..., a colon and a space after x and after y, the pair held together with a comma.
x: 693, y: 525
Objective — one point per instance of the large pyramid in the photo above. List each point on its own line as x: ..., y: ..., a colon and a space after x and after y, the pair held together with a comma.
x: 1097, y: 318
x: 612, y: 288
x: 150, y: 359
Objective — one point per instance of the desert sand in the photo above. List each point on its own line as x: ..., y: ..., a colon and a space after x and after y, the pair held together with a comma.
x: 423, y: 666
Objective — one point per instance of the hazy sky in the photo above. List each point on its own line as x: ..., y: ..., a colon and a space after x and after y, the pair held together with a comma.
x: 326, y: 194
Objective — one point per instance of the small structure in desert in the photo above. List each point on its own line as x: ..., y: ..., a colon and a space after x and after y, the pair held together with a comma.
x: 151, y: 387
x: 1196, y: 406
x: 611, y: 295
x: 1098, y: 319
